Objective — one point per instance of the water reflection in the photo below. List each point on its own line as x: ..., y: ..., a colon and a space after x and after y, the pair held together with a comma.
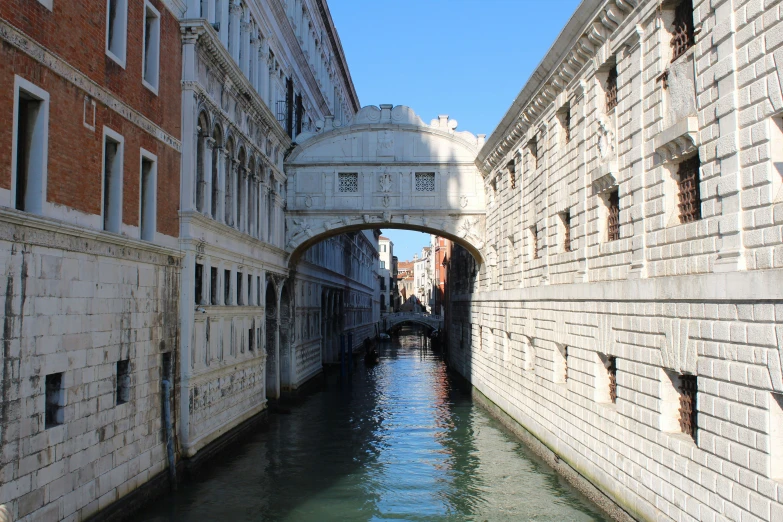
x: 400, y: 443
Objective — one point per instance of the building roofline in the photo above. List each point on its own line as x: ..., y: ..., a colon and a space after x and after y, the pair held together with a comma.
x: 337, y: 47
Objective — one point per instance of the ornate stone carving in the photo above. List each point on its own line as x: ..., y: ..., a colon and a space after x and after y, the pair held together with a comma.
x: 385, y: 181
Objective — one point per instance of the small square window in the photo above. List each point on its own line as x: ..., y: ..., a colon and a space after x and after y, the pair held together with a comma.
x: 123, y: 381
x: 425, y: 182
x: 55, y: 400
x: 348, y: 182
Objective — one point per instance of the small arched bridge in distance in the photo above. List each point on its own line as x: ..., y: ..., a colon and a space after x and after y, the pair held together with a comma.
x: 387, y: 169
x: 433, y: 322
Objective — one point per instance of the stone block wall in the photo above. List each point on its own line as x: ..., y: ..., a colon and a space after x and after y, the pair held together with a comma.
x: 86, y: 308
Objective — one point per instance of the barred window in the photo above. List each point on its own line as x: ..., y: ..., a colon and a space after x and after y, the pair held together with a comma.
x: 425, y: 182
x: 611, y: 89
x: 682, y: 30
x: 688, y: 186
x: 688, y: 413
x: 566, y: 219
x: 348, y: 182
x: 612, y: 370
x: 534, y: 240
x: 512, y: 173
x: 567, y: 125
x: 613, y: 202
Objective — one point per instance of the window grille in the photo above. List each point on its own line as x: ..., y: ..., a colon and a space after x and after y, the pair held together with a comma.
x: 567, y: 125
x: 566, y: 217
x: 682, y: 37
x: 611, y: 89
x: 512, y: 174
x: 281, y: 111
x: 54, y: 414
x: 565, y: 364
x: 534, y: 233
x: 688, y: 185
x: 688, y: 411
x: 349, y: 182
x: 613, y: 202
x: 534, y: 150
x: 425, y: 182
x: 612, y: 369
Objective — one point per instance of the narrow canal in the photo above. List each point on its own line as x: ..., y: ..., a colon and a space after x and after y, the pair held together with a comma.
x: 402, y: 442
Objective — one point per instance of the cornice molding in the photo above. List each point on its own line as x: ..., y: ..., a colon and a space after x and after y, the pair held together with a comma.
x: 209, y: 41
x: 337, y: 48
x: 593, y: 24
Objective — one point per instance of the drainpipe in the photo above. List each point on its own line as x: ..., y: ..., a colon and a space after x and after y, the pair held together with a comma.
x: 169, y: 432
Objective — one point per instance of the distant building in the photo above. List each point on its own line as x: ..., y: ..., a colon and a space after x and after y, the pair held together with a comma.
x: 385, y: 271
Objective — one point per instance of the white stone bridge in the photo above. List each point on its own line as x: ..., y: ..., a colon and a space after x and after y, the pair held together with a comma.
x: 387, y: 169
x: 430, y: 321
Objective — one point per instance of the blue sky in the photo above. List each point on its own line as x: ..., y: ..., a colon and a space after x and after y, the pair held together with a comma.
x: 465, y: 58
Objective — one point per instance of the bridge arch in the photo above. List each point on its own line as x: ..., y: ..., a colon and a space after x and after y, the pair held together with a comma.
x: 386, y: 169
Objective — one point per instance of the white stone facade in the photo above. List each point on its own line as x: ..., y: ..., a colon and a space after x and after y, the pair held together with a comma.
x: 563, y: 306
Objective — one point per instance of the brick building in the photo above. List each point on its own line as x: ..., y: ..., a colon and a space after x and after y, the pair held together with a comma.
x: 89, y: 192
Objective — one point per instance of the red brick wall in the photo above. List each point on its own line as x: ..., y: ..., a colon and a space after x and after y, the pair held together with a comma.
x: 75, y: 152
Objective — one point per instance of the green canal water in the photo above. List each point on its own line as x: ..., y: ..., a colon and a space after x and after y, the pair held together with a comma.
x: 399, y: 442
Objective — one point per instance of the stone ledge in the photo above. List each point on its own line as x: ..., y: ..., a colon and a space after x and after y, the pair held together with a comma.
x: 679, y: 141
x: 757, y: 285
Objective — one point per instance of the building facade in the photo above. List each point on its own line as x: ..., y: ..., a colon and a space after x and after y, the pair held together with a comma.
x: 90, y: 151
x: 628, y: 311
x: 385, y: 271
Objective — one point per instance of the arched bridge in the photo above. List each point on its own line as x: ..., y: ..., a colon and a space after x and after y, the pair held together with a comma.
x: 386, y: 169
x: 432, y: 321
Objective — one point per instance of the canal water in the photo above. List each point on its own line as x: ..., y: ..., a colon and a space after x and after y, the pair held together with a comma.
x: 401, y: 442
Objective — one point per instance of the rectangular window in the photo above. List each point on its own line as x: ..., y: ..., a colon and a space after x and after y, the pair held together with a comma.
x: 116, y: 30
x: 613, y: 219
x: 611, y: 369
x: 258, y: 290
x: 240, y: 296
x: 565, y: 120
x: 560, y: 364
x: 565, y: 218
x: 55, y: 400
x: 151, y: 51
x: 425, y: 182
x: 383, y: 264
x: 148, y: 189
x: 112, y: 180
x: 213, y: 285
x: 348, y: 182
x: 250, y: 290
x: 534, y: 241
x: 611, y: 89
x: 227, y: 287
x: 30, y: 148
x: 682, y: 29
x: 123, y: 381
x: 688, y: 190
x: 250, y: 339
x: 776, y: 435
x: 688, y: 413
x: 199, y: 287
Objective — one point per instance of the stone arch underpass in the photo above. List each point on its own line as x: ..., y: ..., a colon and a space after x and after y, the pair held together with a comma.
x: 386, y: 169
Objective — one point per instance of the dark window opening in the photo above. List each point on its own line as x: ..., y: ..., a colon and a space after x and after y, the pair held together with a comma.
x: 250, y: 339
x: 289, y: 106
x: 112, y: 180
x: 611, y: 89
x: 567, y: 124
x: 55, y: 400
x: 566, y: 217
x: 512, y: 174
x: 227, y: 287
x: 147, y: 218
x: 240, y: 297
x: 199, y: 283
x: 689, y: 195
x: 612, y: 370
x: 123, y: 381
x: 299, y: 114
x: 682, y: 30
x: 250, y: 290
x: 613, y: 202
x: 534, y: 233
x: 688, y: 413
x: 166, y: 368
x: 29, y: 109
x: 213, y: 285
x: 565, y: 363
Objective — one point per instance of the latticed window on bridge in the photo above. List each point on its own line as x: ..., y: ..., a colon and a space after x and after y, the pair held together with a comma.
x: 612, y: 370
x: 566, y: 218
x: 682, y: 30
x: 349, y: 182
x: 688, y: 412
x: 613, y: 203
x: 689, y: 195
x: 611, y: 89
x: 425, y: 181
